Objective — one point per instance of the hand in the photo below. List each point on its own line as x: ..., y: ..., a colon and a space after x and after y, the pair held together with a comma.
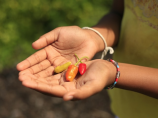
x: 59, y: 46
x: 99, y: 74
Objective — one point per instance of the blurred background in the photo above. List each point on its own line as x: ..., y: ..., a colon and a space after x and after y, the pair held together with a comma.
x: 23, y: 22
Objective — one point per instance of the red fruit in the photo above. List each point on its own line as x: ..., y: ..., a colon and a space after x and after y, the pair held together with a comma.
x: 71, y: 72
x: 82, y: 68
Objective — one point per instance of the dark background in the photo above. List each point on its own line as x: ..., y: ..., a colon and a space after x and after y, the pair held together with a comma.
x: 21, y: 23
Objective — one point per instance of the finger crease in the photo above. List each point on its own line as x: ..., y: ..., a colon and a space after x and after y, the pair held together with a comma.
x: 31, y: 70
x: 46, y: 40
x: 29, y: 62
x: 37, y: 58
x: 40, y: 66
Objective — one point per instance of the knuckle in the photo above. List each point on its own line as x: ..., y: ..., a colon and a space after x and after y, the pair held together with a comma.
x: 46, y: 39
x: 29, y: 62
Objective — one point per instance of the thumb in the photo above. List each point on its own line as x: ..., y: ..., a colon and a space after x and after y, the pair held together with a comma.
x: 46, y: 39
x: 84, y: 92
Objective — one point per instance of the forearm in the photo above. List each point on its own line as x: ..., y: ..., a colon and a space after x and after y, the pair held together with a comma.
x: 109, y: 27
x: 138, y: 78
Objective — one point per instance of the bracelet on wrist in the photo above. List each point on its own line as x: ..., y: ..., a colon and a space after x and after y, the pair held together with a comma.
x: 117, y: 74
x: 106, y: 49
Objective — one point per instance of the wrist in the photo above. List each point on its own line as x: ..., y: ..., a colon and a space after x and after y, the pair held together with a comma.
x: 104, y: 33
x: 106, y: 47
x: 97, y: 40
x: 112, y: 73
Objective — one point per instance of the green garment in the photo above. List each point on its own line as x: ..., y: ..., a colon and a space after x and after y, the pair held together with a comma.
x: 138, y: 45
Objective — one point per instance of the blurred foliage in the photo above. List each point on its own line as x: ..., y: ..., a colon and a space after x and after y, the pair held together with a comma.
x: 22, y: 22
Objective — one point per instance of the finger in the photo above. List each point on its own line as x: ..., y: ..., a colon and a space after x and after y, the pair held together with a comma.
x: 27, y: 76
x: 52, y: 80
x: 55, y: 90
x: 84, y: 92
x: 37, y: 68
x: 46, y: 39
x: 32, y: 60
x: 45, y: 73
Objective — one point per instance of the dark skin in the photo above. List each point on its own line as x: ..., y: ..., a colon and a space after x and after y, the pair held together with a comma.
x: 60, y: 45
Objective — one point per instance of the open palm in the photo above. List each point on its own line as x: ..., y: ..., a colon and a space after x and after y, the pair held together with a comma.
x: 59, y: 46
x: 93, y: 81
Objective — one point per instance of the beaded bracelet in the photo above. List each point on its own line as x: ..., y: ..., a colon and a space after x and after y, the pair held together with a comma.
x: 117, y: 74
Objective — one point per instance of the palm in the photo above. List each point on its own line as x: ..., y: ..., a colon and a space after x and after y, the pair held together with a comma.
x: 61, y: 45
x: 84, y: 85
x: 74, y: 40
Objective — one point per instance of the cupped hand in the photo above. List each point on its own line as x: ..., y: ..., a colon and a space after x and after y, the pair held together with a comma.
x: 97, y: 76
x: 58, y: 47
